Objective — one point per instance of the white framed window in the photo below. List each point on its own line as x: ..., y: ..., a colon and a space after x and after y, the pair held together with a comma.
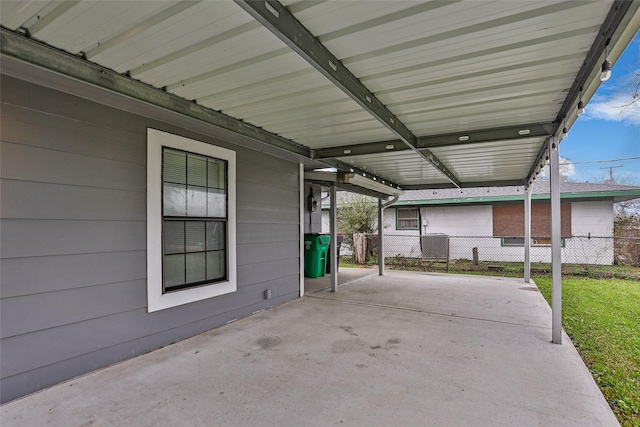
x: 191, y: 220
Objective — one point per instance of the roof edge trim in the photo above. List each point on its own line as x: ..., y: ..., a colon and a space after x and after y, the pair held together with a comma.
x: 42, y: 55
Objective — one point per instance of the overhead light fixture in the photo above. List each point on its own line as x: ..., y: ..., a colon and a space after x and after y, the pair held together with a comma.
x: 580, y: 104
x: 606, y: 68
x: 565, y: 131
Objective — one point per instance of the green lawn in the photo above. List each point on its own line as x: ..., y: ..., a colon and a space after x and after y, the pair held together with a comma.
x: 602, y: 317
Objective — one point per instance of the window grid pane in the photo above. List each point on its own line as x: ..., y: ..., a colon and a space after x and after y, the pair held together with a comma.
x: 407, y: 223
x: 174, y: 166
x: 216, y: 265
x: 174, y: 271
x: 196, y: 170
x: 408, y: 213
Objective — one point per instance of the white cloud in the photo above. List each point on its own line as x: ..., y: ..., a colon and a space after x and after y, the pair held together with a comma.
x: 618, y: 108
x: 567, y: 170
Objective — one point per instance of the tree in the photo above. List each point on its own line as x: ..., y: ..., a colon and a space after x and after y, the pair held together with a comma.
x: 357, y: 216
x: 628, y: 208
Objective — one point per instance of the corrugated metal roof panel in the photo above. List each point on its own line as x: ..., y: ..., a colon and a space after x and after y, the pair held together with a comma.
x: 440, y: 67
x: 407, y: 167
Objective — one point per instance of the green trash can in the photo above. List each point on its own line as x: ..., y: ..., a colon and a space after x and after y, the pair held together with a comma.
x: 316, y: 247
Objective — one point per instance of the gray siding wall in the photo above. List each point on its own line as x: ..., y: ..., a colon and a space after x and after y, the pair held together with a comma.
x: 73, y: 230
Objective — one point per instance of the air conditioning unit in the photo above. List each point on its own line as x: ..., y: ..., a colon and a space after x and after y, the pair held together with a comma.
x: 435, y: 246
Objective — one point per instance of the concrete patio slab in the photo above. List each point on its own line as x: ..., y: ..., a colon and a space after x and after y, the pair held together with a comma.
x: 406, y: 349
x: 345, y: 275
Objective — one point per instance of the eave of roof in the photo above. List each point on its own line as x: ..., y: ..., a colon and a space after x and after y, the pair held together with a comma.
x: 617, y: 196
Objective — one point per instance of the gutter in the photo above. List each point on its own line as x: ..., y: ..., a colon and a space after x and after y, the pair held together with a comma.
x: 391, y: 202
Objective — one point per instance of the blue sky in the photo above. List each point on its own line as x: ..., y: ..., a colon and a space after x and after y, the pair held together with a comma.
x: 607, y: 130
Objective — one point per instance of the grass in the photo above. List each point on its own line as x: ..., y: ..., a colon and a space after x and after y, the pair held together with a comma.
x: 602, y: 317
x: 514, y: 269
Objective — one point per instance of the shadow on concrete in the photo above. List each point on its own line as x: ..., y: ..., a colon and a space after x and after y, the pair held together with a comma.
x: 406, y: 349
x: 345, y: 275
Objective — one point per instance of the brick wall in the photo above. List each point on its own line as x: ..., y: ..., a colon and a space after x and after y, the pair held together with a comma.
x: 508, y: 220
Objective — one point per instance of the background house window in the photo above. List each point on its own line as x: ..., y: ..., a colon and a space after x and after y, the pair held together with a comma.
x: 513, y: 241
x: 535, y: 241
x: 194, y: 219
x: 407, y: 219
x: 191, y: 220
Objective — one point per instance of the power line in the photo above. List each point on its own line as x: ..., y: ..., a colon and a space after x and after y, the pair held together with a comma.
x: 600, y: 161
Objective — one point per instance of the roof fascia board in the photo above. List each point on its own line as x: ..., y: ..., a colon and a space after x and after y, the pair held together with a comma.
x: 277, y: 19
x: 511, y: 133
x: 620, y: 14
x: 345, y: 167
x: 587, y: 196
x: 28, y: 50
x: 365, y: 187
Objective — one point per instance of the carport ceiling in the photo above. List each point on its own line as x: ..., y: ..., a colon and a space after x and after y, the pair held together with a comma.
x: 416, y: 94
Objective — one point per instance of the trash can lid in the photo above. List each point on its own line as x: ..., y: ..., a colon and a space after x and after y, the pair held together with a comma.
x: 324, y: 239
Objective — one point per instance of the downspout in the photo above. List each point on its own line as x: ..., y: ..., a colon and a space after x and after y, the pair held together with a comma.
x: 381, y: 207
x: 390, y: 202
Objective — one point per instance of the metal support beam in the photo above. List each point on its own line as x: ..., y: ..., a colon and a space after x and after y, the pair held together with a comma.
x: 556, y: 261
x: 333, y: 226
x: 620, y: 11
x: 360, y: 149
x: 445, y: 140
x: 301, y: 219
x: 380, y: 238
x: 527, y: 234
x: 488, y: 135
x: 277, y: 19
x: 346, y: 167
x: 539, y: 162
x: 30, y: 51
x: 500, y: 183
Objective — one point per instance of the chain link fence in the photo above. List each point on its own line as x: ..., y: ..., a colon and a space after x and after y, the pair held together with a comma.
x: 439, y: 248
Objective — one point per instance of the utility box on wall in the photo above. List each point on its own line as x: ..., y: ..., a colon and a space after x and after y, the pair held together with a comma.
x: 312, y: 208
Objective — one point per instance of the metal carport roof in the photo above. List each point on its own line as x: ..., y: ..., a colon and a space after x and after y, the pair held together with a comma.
x: 413, y: 94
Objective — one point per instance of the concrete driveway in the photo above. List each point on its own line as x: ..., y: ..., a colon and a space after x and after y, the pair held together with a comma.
x: 406, y: 349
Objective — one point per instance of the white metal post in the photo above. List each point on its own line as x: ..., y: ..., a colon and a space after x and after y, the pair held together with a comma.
x: 380, y: 243
x: 333, y: 225
x: 301, y: 229
x: 527, y: 234
x: 556, y: 261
